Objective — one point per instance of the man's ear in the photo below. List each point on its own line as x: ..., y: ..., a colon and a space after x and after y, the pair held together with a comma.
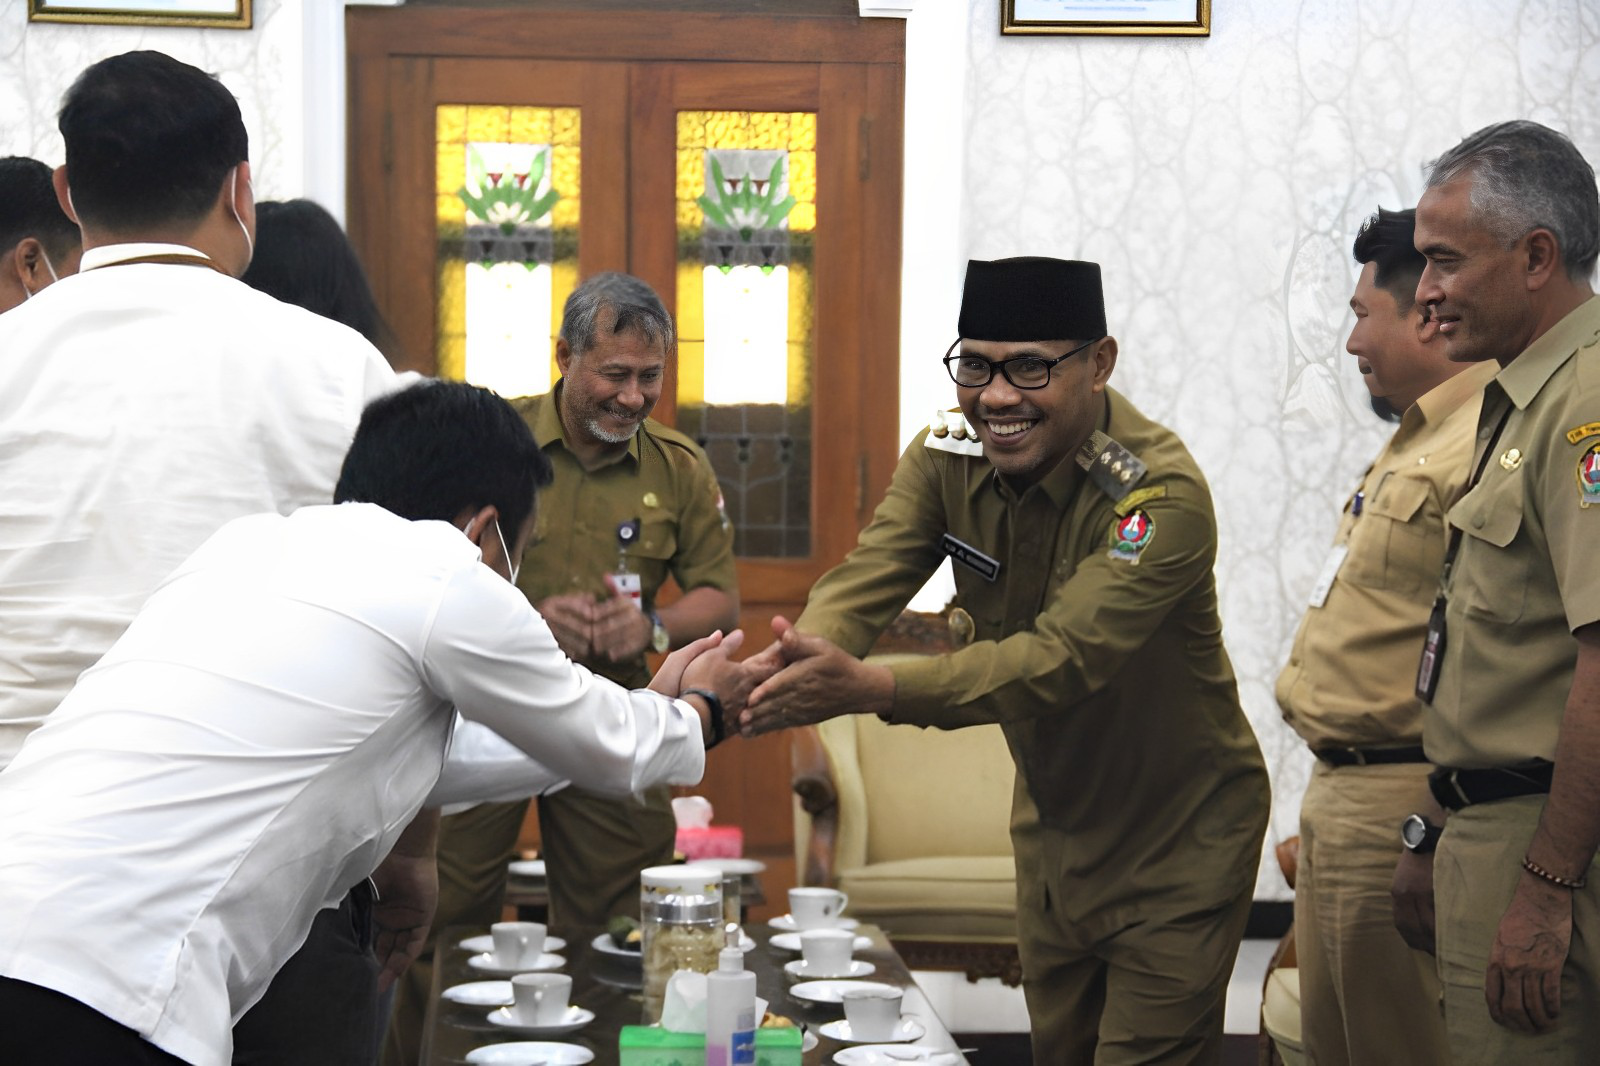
x: 563, y: 355
x: 1105, y: 361
x: 58, y: 178
x: 1543, y: 258
x: 30, y: 259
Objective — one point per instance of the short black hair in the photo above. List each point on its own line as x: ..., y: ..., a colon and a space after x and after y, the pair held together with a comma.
x: 1388, y: 239
x: 149, y: 140
x: 302, y: 257
x: 437, y: 448
x: 29, y: 208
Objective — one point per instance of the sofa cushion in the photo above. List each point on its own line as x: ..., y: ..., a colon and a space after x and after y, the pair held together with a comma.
x: 951, y: 897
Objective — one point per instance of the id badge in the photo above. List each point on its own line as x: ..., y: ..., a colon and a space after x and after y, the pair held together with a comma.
x: 1432, y: 653
x: 628, y: 585
x: 1330, y: 570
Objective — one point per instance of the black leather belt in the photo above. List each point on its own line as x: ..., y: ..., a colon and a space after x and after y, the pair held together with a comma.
x: 1370, y: 756
x: 1456, y: 789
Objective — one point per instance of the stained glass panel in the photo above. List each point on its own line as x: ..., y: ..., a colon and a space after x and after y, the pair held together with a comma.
x: 746, y: 215
x: 507, y: 218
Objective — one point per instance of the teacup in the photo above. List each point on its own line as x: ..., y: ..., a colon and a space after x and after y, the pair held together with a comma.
x: 873, y: 1013
x: 541, y: 998
x: 816, y: 908
x: 517, y: 943
x: 827, y: 951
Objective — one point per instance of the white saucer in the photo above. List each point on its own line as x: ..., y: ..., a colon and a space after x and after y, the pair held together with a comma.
x: 526, y: 868
x: 784, y: 923
x: 855, y: 968
x: 889, y: 1054
x: 576, y: 1018
x: 522, y: 1052
x: 479, y: 993
x: 791, y: 942
x: 606, y: 946
x: 742, y: 867
x: 907, y: 1029
x: 831, y: 991
x: 486, y: 963
x: 484, y: 945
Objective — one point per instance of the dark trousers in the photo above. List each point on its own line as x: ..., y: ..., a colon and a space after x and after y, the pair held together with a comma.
x: 41, y: 1027
x: 322, y: 1007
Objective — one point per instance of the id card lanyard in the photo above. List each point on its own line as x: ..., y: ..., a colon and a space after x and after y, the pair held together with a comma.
x: 1433, y: 642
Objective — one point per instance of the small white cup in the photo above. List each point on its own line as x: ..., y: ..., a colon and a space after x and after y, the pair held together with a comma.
x: 873, y: 1013
x: 541, y: 998
x: 816, y: 908
x: 827, y: 951
x: 517, y: 943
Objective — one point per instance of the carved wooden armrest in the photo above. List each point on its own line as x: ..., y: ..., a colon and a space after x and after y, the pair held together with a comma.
x: 812, y: 780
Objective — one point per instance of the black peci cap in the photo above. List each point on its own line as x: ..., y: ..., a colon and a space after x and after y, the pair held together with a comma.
x: 1032, y: 298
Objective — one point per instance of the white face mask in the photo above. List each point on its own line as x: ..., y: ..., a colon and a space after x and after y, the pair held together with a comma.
x: 516, y: 567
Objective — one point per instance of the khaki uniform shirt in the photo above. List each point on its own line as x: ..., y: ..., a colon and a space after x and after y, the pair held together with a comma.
x: 1528, y: 571
x: 1099, y: 651
x: 1352, y: 675
x: 665, y: 481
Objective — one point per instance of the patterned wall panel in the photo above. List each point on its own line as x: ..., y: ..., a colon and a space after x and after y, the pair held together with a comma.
x: 1220, y: 182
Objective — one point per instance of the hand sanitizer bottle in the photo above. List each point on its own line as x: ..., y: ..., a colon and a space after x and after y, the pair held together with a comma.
x: 730, y: 1007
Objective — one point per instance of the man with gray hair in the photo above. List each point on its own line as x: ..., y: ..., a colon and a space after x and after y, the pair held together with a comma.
x: 1510, y: 670
x: 632, y: 502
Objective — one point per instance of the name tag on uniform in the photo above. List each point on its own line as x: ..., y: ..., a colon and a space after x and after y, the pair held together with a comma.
x: 1330, y: 570
x: 985, y: 566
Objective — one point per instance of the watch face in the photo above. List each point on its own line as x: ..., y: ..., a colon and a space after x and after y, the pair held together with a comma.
x: 1413, y: 831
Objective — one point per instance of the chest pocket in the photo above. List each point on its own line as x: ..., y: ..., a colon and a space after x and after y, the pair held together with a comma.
x: 1491, y: 574
x: 653, y: 552
x: 1396, y: 543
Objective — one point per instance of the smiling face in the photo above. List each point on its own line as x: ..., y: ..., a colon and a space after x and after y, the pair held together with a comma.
x: 1027, y: 432
x: 608, y: 392
x: 1396, y: 363
x: 1475, y: 285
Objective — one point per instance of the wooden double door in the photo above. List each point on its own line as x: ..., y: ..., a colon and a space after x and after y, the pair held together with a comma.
x: 748, y: 167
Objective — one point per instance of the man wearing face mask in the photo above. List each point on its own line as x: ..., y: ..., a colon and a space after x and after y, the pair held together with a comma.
x: 153, y: 396
x: 39, y: 244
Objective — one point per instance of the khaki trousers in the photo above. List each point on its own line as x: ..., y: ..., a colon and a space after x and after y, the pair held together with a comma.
x: 1474, y: 875
x: 1151, y: 990
x: 1366, y: 999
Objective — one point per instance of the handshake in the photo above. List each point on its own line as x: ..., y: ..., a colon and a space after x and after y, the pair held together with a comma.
x: 796, y: 680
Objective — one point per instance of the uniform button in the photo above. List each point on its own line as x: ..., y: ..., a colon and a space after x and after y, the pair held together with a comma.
x: 1478, y: 520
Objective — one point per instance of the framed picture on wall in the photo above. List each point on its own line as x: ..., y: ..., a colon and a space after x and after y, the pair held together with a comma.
x: 227, y: 14
x: 1155, y: 18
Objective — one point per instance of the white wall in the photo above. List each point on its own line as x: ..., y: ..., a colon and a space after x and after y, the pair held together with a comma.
x: 1220, y: 181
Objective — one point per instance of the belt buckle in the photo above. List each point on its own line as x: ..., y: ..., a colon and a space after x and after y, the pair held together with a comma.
x: 1357, y: 756
x: 1455, y: 785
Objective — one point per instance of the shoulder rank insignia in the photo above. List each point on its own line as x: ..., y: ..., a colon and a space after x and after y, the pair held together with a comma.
x: 1589, y: 477
x: 1130, y: 536
x: 1114, y: 469
x: 949, y: 432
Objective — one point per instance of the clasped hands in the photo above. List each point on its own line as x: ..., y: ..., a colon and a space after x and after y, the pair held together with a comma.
x: 590, y: 628
x: 798, y: 679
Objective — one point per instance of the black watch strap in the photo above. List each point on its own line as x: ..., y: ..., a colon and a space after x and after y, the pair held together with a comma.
x: 1419, y: 835
x: 719, y: 724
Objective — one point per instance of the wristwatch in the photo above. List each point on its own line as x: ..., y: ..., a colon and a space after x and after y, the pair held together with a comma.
x: 1419, y: 835
x: 660, y: 639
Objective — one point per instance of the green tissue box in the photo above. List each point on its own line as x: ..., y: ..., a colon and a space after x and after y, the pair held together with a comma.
x: 648, y: 1045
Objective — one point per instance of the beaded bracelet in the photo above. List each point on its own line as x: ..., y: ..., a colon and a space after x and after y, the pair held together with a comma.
x: 1555, y: 879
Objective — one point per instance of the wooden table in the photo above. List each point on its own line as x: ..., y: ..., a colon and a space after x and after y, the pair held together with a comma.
x: 610, y: 987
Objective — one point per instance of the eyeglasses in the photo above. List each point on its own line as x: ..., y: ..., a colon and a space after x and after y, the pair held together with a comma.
x: 1025, y: 372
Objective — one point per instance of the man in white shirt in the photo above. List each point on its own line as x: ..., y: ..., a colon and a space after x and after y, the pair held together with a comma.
x: 39, y: 244
x: 273, y: 719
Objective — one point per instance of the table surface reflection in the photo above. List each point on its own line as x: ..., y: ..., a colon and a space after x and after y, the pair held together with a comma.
x: 610, y: 987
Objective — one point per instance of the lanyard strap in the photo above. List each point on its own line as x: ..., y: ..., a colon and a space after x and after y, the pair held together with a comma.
x: 1472, y: 482
x: 170, y: 259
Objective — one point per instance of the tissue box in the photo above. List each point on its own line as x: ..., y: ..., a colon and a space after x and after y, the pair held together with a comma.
x: 711, y: 842
x: 648, y: 1045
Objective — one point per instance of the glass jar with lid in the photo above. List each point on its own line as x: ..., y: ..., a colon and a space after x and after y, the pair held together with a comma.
x: 680, y: 921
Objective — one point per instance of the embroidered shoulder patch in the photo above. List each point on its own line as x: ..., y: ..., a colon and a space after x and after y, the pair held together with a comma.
x: 1140, y: 497
x: 1588, y: 429
x: 1589, y: 477
x: 1130, y: 536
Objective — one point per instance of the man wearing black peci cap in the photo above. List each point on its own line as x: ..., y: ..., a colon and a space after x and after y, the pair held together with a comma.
x: 1083, y: 540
